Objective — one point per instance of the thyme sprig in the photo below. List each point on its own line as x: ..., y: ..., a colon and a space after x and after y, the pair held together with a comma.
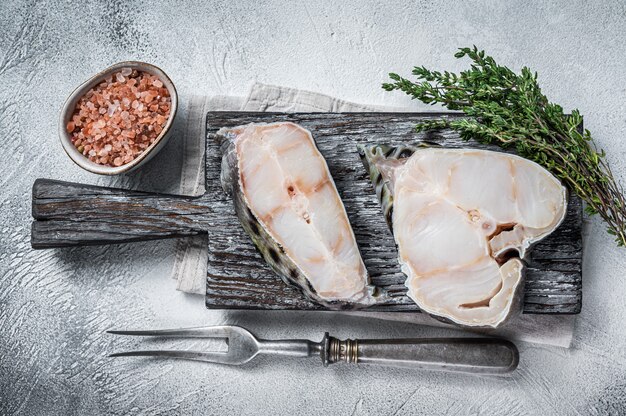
x: 509, y: 110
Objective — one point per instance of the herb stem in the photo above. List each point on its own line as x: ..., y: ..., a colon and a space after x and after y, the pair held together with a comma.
x: 509, y: 110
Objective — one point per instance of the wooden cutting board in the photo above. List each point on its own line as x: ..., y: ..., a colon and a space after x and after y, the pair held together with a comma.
x: 239, y: 278
x: 68, y: 214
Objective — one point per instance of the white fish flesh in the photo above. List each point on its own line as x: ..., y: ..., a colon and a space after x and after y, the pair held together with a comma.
x: 463, y: 219
x: 288, y: 204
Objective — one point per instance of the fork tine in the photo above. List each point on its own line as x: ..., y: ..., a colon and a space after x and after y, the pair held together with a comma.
x: 199, y: 332
x: 210, y: 357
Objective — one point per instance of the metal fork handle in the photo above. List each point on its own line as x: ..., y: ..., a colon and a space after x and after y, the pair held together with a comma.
x: 474, y: 355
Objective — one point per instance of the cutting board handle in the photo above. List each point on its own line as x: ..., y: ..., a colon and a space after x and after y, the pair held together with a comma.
x: 70, y: 214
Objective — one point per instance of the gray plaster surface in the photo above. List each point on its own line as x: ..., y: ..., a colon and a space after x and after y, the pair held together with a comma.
x: 55, y: 305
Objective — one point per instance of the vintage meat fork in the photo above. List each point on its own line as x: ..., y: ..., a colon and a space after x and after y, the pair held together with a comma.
x: 475, y: 355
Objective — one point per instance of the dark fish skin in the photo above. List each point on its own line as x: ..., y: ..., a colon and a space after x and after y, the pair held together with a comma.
x: 270, y: 250
x: 369, y: 155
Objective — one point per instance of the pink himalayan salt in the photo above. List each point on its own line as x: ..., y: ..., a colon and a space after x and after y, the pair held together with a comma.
x: 117, y: 120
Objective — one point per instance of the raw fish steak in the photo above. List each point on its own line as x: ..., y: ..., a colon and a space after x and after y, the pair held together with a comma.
x: 288, y: 204
x: 463, y: 220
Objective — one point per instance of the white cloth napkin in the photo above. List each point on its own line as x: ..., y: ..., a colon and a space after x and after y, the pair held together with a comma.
x: 190, y: 265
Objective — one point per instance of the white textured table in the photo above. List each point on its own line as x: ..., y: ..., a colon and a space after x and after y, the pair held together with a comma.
x: 56, y: 305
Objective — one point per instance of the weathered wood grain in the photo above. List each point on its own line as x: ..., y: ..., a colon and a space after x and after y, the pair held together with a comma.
x: 239, y: 278
x: 69, y: 214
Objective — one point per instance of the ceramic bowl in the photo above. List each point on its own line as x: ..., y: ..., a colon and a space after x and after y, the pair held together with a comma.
x: 153, y: 149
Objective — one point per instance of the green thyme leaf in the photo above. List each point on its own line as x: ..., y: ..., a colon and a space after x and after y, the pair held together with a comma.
x: 509, y: 110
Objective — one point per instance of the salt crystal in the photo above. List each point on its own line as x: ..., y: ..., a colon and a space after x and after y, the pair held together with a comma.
x: 108, y: 136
